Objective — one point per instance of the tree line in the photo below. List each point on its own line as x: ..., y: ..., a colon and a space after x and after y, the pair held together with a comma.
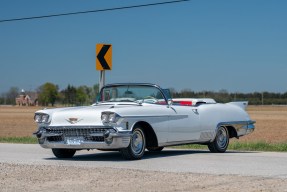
x: 70, y: 96
x: 50, y: 94
x: 223, y: 96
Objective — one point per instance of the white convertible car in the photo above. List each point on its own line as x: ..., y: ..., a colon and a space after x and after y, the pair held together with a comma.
x: 131, y: 118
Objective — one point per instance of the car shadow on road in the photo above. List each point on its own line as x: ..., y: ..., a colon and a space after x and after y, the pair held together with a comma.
x: 114, y: 156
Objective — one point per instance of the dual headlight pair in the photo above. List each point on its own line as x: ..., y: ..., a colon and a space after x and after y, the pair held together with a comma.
x: 107, y: 117
x: 110, y: 117
x: 41, y: 118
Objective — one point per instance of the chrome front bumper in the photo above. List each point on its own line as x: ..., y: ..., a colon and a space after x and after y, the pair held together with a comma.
x: 82, y: 138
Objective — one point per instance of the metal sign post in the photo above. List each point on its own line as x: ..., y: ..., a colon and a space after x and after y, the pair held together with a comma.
x: 102, y: 80
x: 103, y: 61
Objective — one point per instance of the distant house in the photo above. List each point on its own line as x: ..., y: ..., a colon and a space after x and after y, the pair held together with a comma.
x: 27, y: 99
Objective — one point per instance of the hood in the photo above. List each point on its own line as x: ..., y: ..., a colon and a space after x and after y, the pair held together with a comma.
x: 80, y: 116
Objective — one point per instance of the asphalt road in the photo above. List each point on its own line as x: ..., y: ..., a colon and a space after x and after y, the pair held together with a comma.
x: 262, y: 164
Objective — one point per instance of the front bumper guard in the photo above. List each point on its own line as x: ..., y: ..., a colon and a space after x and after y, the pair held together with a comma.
x: 112, y: 140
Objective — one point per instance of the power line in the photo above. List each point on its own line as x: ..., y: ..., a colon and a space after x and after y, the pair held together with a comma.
x: 91, y: 11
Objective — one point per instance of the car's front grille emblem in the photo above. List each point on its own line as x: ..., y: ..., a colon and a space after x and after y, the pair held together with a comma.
x: 73, y: 120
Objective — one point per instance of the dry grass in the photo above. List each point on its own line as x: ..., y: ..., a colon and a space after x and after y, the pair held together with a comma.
x: 17, y: 121
x: 271, y: 123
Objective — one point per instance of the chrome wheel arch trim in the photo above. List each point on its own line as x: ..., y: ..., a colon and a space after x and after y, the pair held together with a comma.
x: 148, y: 135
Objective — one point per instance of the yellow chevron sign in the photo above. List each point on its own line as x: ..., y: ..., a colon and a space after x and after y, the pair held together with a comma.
x: 103, y: 57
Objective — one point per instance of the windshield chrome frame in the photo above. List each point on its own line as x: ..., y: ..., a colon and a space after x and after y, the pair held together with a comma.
x: 134, y: 84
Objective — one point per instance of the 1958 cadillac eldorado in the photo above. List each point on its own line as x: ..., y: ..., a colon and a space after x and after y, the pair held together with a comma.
x: 134, y: 117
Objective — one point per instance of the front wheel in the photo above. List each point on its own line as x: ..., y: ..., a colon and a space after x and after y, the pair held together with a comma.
x: 137, y: 145
x: 221, y: 141
x: 155, y: 149
x: 64, y: 153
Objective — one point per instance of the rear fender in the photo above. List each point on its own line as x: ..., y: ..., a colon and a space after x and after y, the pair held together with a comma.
x: 241, y: 104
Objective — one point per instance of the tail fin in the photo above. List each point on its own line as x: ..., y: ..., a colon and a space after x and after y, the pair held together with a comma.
x: 241, y: 104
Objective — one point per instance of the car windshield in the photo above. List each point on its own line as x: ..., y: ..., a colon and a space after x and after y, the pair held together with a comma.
x: 132, y: 93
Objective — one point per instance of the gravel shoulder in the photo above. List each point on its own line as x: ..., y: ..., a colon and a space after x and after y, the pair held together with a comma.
x: 21, y: 177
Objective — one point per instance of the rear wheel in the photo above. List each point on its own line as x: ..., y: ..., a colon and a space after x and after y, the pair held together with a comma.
x: 221, y: 141
x: 64, y: 153
x: 137, y: 145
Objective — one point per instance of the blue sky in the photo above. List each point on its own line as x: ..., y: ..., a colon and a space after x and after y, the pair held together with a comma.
x: 237, y: 45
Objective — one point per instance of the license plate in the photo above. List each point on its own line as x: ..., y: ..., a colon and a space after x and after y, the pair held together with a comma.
x: 74, y: 141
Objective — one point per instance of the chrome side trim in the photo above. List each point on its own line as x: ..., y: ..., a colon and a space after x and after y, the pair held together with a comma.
x: 174, y: 143
x: 156, y: 116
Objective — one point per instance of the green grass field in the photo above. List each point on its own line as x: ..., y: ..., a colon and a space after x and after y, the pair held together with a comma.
x: 245, y: 146
x: 24, y: 140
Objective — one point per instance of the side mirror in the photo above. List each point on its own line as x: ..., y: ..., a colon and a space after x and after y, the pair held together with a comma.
x: 169, y: 102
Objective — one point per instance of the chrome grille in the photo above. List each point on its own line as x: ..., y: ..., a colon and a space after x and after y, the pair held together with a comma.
x: 84, y: 132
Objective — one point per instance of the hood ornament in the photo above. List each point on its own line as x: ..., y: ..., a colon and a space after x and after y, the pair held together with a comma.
x: 73, y: 120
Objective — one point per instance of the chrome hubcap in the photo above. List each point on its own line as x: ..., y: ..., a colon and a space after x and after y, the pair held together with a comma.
x: 137, y: 142
x: 222, y: 138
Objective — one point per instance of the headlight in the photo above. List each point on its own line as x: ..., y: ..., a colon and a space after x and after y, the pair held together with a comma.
x: 110, y: 117
x: 38, y: 118
x: 105, y: 118
x: 45, y: 118
x: 41, y: 118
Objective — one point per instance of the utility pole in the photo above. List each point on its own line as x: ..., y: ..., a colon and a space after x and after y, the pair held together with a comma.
x: 262, y: 98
